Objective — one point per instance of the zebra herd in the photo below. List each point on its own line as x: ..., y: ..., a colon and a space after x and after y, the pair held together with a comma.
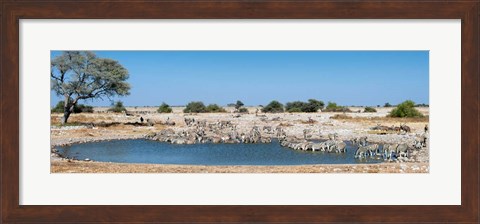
x: 364, y: 149
x: 331, y: 146
x: 387, y: 151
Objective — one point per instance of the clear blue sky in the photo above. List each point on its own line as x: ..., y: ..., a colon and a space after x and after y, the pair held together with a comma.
x: 257, y: 77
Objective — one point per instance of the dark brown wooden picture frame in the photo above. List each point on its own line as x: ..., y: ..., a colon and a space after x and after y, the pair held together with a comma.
x: 12, y: 11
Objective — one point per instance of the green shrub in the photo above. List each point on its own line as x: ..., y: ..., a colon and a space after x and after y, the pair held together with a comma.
x: 195, y: 107
x: 294, y: 110
x: 369, y: 110
x: 243, y: 110
x: 295, y: 106
x: 164, y: 108
x: 405, y: 109
x: 387, y: 105
x: 273, y: 107
x: 118, y: 107
x: 214, y: 108
x: 309, y: 107
x: 333, y: 107
x: 313, y: 105
x: 79, y: 108
x: 59, y: 107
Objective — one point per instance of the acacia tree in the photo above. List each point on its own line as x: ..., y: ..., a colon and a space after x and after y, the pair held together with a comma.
x: 81, y: 75
x: 238, y: 104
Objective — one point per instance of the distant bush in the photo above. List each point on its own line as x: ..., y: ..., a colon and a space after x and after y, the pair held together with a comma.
x: 239, y: 107
x: 294, y: 110
x: 195, y: 107
x: 295, y: 106
x: 214, y: 108
x: 79, y: 108
x: 59, y: 107
x: 422, y: 105
x: 313, y: 105
x: 117, y: 107
x: 238, y: 104
x: 387, y: 105
x: 243, y: 110
x: 164, y: 108
x: 273, y: 107
x: 298, y: 106
x: 405, y: 109
x: 369, y: 110
x: 333, y: 107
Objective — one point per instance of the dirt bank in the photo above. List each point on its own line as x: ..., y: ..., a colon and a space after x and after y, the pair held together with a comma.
x: 62, y: 166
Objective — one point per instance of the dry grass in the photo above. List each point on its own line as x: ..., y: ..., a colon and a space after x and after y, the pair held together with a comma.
x: 80, y: 119
x: 309, y: 122
x: 381, y: 119
x: 121, y: 130
x: 285, y: 124
x: 341, y: 116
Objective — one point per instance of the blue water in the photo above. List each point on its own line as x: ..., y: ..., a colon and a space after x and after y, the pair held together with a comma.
x: 146, y: 151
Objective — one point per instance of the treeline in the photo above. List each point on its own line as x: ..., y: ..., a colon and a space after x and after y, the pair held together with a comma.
x: 416, y: 105
x: 404, y: 109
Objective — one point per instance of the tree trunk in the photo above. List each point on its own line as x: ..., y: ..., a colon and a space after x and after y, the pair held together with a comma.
x: 66, y: 114
x: 67, y: 109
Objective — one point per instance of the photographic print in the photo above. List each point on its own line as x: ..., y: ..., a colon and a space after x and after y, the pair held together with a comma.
x: 239, y: 111
x: 223, y: 112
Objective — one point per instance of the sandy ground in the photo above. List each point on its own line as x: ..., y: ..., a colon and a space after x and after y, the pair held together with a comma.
x: 353, y: 125
x: 61, y: 166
